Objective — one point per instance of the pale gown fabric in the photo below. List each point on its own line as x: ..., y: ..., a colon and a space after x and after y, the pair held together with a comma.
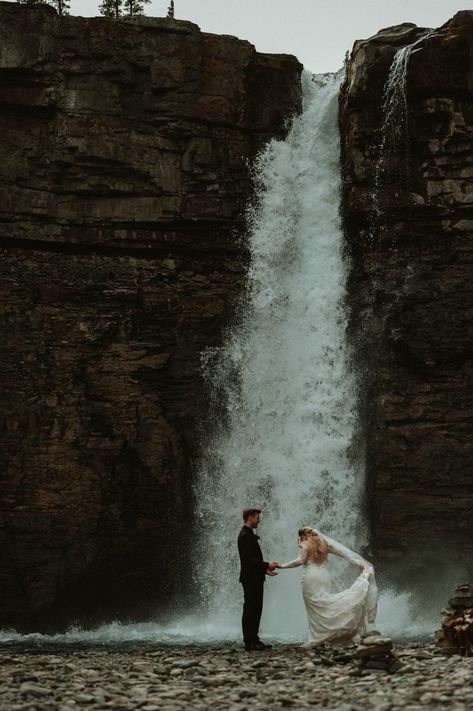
x: 334, y: 617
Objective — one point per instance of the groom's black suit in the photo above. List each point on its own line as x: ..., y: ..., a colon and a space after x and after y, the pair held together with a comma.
x: 252, y: 576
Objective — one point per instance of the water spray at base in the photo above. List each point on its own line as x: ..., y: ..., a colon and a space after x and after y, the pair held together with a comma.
x: 284, y: 375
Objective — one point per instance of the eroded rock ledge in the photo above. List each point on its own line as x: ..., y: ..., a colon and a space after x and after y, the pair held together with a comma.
x: 123, y: 171
x: 412, y: 295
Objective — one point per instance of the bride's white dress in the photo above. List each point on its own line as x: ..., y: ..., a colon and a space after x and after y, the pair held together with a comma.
x: 335, y: 617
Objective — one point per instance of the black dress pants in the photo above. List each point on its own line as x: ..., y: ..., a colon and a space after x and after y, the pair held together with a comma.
x: 252, y: 609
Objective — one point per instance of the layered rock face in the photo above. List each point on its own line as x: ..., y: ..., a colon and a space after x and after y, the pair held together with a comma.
x: 123, y: 172
x: 408, y: 209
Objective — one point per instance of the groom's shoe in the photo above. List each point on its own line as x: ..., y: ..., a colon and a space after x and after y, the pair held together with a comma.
x: 262, y: 645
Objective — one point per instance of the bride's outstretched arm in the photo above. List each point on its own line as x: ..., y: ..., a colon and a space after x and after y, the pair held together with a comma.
x: 300, y: 560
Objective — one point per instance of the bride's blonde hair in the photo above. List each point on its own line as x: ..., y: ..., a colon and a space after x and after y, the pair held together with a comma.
x: 317, y: 546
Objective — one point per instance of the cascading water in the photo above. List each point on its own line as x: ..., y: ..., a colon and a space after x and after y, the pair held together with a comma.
x: 393, y: 152
x: 285, y: 377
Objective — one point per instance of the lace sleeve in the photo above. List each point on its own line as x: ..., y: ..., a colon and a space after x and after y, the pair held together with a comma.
x: 343, y: 552
x: 347, y: 554
x: 300, y: 560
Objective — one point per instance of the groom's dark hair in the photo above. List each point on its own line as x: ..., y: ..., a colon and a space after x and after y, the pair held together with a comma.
x: 249, y: 512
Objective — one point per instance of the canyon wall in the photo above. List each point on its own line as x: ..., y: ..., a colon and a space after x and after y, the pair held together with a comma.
x: 408, y: 211
x: 123, y: 175
x: 124, y: 149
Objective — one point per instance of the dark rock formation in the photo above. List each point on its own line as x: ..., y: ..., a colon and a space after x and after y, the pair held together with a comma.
x: 456, y: 634
x: 408, y: 208
x: 123, y: 170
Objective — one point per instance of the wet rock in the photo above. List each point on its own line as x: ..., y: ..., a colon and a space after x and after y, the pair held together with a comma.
x: 185, y: 664
x: 30, y: 689
x: 408, y: 218
x: 462, y: 598
x: 377, y: 647
x: 375, y: 654
x: 247, y: 694
x: 343, y: 658
x: 326, y: 661
x: 120, y: 204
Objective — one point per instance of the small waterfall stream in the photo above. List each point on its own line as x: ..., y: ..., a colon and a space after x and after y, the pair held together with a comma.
x: 284, y: 373
x: 393, y: 152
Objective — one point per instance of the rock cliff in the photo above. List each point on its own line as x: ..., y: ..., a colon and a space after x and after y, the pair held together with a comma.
x: 123, y: 171
x: 408, y: 210
x: 123, y: 174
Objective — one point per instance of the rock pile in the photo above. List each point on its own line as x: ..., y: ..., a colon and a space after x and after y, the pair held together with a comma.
x: 456, y: 633
x: 376, y: 653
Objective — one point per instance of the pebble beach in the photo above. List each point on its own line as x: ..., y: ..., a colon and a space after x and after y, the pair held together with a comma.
x: 226, y: 677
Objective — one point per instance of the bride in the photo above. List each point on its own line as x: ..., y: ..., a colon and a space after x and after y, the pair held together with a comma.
x: 333, y: 617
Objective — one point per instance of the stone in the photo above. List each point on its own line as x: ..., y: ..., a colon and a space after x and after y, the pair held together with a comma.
x: 185, y: 664
x: 447, y: 614
x: 369, y: 651
x: 31, y: 689
x: 371, y: 633
x: 140, y: 667
x: 342, y: 658
x: 326, y: 661
x: 375, y: 640
x: 395, y: 665
x: 462, y: 598
x: 247, y: 693
x: 160, y: 669
x: 373, y: 663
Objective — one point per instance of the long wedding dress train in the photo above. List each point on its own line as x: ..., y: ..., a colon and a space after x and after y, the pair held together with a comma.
x: 334, y: 617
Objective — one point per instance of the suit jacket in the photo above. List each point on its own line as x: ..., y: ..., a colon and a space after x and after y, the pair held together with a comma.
x: 253, y: 567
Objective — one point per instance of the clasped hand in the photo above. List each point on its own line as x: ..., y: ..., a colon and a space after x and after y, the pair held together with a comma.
x: 271, y: 569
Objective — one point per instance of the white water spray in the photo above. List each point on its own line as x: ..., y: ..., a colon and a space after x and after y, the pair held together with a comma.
x: 285, y: 376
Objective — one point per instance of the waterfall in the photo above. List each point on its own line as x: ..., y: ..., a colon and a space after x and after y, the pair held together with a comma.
x: 283, y: 442
x: 391, y: 167
x: 285, y: 401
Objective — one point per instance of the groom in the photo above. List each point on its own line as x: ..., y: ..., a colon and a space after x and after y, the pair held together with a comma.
x: 252, y: 575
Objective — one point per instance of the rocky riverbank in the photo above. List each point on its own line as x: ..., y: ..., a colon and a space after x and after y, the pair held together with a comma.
x: 228, y: 678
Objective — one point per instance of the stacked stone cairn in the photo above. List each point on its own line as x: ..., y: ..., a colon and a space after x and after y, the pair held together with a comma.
x: 456, y: 634
x: 376, y: 653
